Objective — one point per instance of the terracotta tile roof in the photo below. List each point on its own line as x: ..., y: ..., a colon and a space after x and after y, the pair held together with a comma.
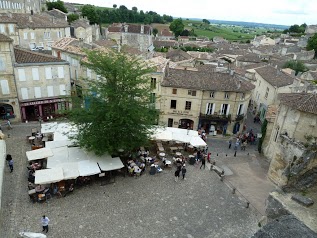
x: 105, y: 43
x: 164, y: 43
x: 84, y: 23
x: 25, y: 20
x: 57, y: 13
x: 174, y: 55
x: 254, y: 66
x: 166, y: 32
x: 4, y: 38
x: 114, y: 29
x: 62, y: 43
x: 274, y: 76
x: 313, y: 74
x: 132, y: 28
x: 253, y: 58
x: 205, y: 80
x: 25, y: 56
x: 159, y: 62
x: 305, y: 102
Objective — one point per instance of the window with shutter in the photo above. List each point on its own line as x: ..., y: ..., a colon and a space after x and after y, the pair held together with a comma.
x: 25, y: 93
x: 35, y: 74
x: 4, y: 87
x: 37, y: 92
x: 50, y: 91
x: 21, y: 74
x: 60, y: 72
x: 62, y: 89
x: 48, y: 73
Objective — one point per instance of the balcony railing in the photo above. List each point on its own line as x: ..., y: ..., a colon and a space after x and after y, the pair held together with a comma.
x: 239, y: 117
x: 216, y: 117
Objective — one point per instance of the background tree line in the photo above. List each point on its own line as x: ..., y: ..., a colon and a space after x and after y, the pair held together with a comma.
x: 122, y: 14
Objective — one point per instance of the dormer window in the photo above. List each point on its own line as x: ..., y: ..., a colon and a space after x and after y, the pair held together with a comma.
x: 227, y: 95
x: 212, y: 94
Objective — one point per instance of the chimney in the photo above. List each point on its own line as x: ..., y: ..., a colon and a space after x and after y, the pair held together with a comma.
x: 142, y: 29
x: 126, y: 28
x: 53, y: 19
x: 30, y: 19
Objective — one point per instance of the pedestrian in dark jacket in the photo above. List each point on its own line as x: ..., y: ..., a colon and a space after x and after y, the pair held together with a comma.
x: 177, y: 172
x: 203, y: 162
x: 11, y: 165
x: 184, y: 171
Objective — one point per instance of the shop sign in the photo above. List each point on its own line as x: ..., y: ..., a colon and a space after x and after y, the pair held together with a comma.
x: 4, y: 100
x: 42, y: 102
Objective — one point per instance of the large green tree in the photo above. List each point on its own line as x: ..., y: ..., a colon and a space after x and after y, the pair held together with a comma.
x: 296, y: 65
x: 177, y: 27
x: 90, y: 12
x: 118, y: 111
x: 312, y: 43
x: 57, y: 5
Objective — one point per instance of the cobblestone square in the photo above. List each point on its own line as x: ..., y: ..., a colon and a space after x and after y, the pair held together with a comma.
x: 149, y: 206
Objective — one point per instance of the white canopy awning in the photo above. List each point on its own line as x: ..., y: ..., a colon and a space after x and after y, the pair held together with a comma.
x: 109, y: 164
x: 56, y: 144
x: 48, y: 127
x: 70, y: 170
x: 46, y: 176
x: 87, y: 168
x: 196, y: 141
x: 39, y: 154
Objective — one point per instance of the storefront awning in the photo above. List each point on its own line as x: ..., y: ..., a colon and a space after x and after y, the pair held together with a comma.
x: 88, y: 168
x: 39, y: 154
x: 47, y: 176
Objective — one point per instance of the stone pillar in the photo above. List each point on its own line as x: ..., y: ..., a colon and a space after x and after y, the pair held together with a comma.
x: 40, y: 110
x: 23, y: 113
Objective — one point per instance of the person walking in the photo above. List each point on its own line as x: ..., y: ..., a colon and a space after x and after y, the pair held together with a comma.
x: 203, y: 162
x: 44, y: 222
x: 183, y: 171
x: 235, y: 150
x: 177, y: 172
x: 11, y: 165
x: 230, y: 143
x: 9, y: 124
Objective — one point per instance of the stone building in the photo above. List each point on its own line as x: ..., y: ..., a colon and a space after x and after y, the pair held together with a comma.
x: 9, y: 105
x: 294, y: 130
x: 20, y: 6
x: 311, y: 29
x: 262, y: 40
x: 82, y: 30
x: 203, y: 99
x: 33, y: 31
x: 269, y: 82
x: 43, y: 84
x: 136, y: 36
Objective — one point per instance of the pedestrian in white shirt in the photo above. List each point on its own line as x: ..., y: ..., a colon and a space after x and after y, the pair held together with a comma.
x: 44, y: 222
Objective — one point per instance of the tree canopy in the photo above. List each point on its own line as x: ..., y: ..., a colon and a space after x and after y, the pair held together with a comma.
x: 177, y: 27
x: 90, y: 12
x: 57, y: 5
x: 118, y: 111
x: 312, y: 43
x: 296, y: 28
x: 72, y: 17
x: 206, y: 21
x: 123, y: 14
x: 296, y: 65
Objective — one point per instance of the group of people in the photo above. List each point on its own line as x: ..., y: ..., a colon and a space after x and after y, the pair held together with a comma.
x: 180, y: 168
x: 136, y: 168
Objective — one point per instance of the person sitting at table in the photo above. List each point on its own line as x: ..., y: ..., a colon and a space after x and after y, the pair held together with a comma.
x: 164, y: 161
x: 69, y: 190
x: 158, y: 168
x: 142, y: 167
x: 131, y: 171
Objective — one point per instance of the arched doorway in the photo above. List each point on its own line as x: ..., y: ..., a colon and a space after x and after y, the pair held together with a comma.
x: 186, y: 124
x: 6, y: 111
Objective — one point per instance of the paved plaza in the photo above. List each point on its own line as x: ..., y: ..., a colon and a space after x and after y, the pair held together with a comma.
x: 149, y: 206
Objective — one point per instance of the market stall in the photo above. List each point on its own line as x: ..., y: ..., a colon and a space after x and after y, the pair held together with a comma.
x: 48, y: 176
x: 39, y: 154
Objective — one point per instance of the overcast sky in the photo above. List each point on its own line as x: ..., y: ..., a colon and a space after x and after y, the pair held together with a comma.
x: 281, y: 12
